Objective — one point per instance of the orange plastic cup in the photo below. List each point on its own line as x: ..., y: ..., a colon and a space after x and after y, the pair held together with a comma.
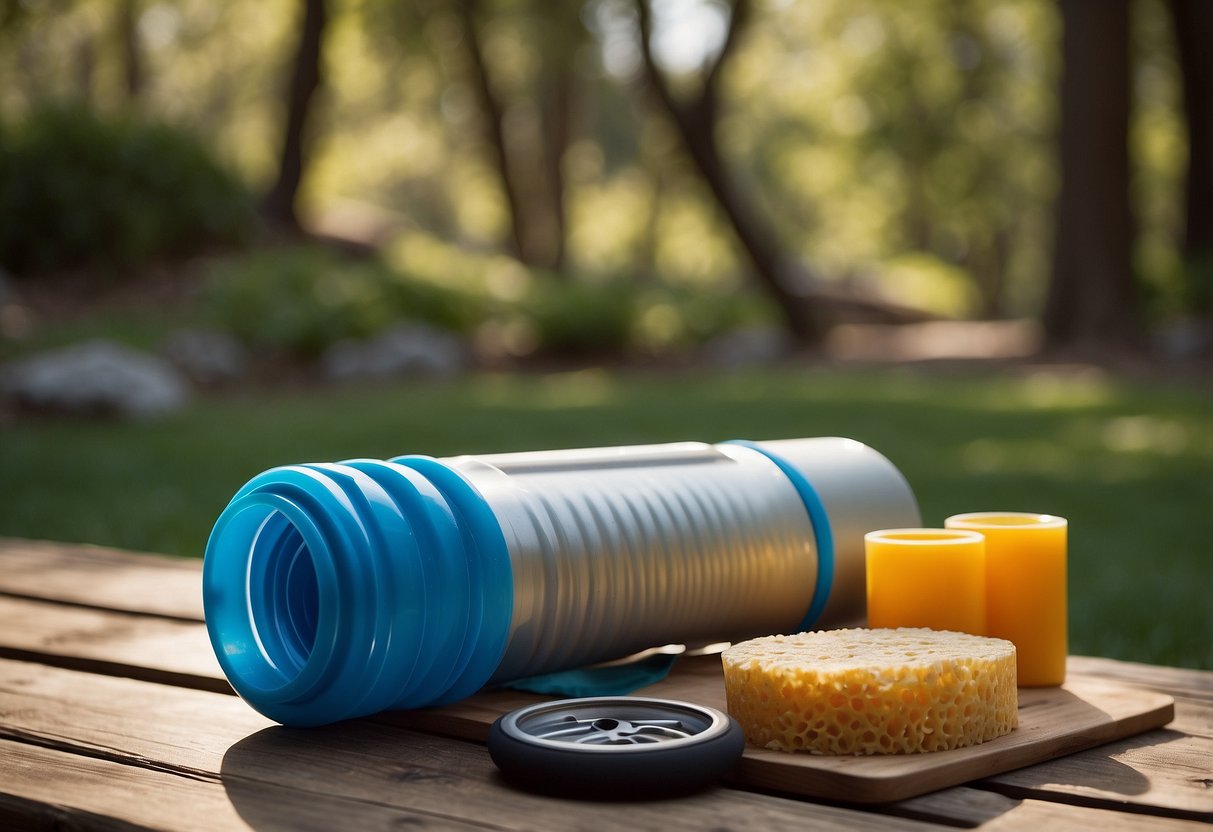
x: 932, y: 578
x: 1025, y: 588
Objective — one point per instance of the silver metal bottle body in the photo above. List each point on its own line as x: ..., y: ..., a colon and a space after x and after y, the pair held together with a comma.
x: 615, y: 550
x: 618, y: 549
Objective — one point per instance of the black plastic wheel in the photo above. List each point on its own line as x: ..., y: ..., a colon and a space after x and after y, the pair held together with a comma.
x: 615, y: 747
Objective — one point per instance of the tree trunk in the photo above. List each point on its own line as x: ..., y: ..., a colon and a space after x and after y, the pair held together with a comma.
x: 85, y: 62
x: 133, y: 76
x: 1193, y: 21
x: 695, y: 123
x: 645, y: 258
x: 556, y: 98
x: 1093, y: 303
x: 279, y: 203
x: 493, y: 118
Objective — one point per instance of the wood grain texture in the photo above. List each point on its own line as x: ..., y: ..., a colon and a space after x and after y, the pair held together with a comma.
x: 124, y: 719
x: 94, y: 576
x: 173, y: 731
x: 1167, y: 771
x: 48, y: 789
x: 958, y: 806
x: 1161, y: 772
x: 1043, y: 815
x: 1180, y: 682
x: 972, y: 808
x: 112, y: 643
x: 131, y: 735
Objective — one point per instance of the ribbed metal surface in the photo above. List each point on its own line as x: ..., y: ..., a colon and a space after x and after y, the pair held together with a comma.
x: 616, y: 550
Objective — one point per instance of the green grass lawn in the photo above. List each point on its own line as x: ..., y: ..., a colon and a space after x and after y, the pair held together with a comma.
x: 1130, y: 464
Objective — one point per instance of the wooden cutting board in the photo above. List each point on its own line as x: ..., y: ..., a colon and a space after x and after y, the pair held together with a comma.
x: 1053, y: 722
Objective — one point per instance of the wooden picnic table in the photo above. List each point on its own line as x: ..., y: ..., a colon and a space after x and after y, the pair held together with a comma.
x: 114, y: 715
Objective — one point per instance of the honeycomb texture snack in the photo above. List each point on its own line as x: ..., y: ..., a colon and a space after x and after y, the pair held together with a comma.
x: 865, y: 691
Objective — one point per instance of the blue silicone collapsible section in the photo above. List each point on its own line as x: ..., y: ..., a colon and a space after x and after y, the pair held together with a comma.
x: 819, y: 518
x: 490, y: 573
x: 337, y: 591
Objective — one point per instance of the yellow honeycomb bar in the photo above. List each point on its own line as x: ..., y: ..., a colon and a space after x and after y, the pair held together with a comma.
x: 864, y: 691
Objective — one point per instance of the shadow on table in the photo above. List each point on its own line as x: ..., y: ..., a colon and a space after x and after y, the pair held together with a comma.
x: 364, y: 774
x: 350, y: 775
x: 376, y: 775
x: 1095, y: 770
x: 1076, y: 761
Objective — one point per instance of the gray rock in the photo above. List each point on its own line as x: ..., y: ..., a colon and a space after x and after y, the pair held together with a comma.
x: 1185, y: 338
x: 403, y: 350
x: 208, y: 356
x: 96, y: 377
x: 747, y: 347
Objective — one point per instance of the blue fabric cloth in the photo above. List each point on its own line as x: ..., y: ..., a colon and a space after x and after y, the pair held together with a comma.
x: 613, y: 680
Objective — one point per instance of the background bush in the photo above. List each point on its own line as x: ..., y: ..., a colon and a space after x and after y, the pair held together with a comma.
x: 299, y: 301
x: 580, y: 317
x: 79, y: 188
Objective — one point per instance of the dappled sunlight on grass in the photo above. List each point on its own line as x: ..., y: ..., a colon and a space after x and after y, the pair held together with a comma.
x: 1023, y: 456
x: 1129, y: 434
x: 1045, y: 390
x: 1055, y: 459
x: 554, y: 391
x: 1066, y: 391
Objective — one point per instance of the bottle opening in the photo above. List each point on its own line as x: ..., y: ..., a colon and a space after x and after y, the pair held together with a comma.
x: 266, y: 625
x: 289, y: 599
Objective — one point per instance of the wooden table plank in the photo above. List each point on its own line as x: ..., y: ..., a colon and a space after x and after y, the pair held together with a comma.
x: 203, y: 737
x: 1040, y: 814
x: 43, y: 788
x: 991, y: 811
x: 1168, y: 770
x: 113, y: 643
x: 1180, y: 682
x: 127, y: 719
x: 1178, y: 783
x: 95, y: 576
x: 182, y: 731
x: 47, y: 789
x: 133, y: 643
x: 178, y: 653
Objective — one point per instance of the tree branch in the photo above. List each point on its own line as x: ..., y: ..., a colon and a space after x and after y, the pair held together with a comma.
x: 493, y: 117
x: 652, y: 72
x: 696, y: 127
x: 306, y: 78
x: 738, y: 19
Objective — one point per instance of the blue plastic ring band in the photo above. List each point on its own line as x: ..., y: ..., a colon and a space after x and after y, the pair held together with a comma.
x: 822, y: 534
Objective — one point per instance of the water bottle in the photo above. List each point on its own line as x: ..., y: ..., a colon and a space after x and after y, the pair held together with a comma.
x: 338, y: 590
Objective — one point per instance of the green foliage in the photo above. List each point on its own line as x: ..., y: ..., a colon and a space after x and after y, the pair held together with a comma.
x: 674, y: 317
x: 301, y: 300
x: 865, y: 129
x: 897, y: 132
x: 76, y: 188
x: 922, y: 281
x: 581, y: 317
